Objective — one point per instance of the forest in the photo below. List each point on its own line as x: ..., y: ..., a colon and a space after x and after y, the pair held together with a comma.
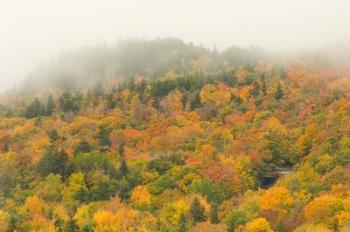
x: 166, y: 136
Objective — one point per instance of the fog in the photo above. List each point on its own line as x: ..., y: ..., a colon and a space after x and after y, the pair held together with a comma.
x: 33, y: 31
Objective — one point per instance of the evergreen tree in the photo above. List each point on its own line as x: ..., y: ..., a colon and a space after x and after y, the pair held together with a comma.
x: 12, y: 221
x: 110, y: 101
x: 124, y: 188
x: 195, y: 102
x: 255, y: 90
x: 141, y: 88
x: 59, y: 225
x: 121, y: 149
x: 53, y: 135
x: 71, y: 226
x: 38, y: 108
x: 35, y: 109
x: 53, y: 161
x: 69, y: 103
x: 88, y: 228
x: 197, y: 211
x: 103, y: 138
x: 123, y: 169
x: 83, y: 146
x: 50, y: 105
x: 213, y: 215
x: 279, y: 92
x: 82, y: 194
x: 182, y: 223
x: 263, y: 84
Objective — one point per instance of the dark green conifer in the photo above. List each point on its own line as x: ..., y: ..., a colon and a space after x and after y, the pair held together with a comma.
x: 123, y: 169
x: 71, y: 226
x: 197, y: 211
x: 50, y: 105
x: 279, y: 92
x: 103, y: 138
x: 213, y: 215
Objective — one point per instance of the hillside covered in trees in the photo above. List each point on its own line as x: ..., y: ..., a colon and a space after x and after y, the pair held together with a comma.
x: 166, y: 136
x: 80, y: 69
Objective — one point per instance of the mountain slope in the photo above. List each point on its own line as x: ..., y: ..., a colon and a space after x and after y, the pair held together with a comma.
x: 190, y: 150
x: 78, y: 69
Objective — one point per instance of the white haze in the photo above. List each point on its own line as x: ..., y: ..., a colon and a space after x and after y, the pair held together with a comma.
x: 34, y: 30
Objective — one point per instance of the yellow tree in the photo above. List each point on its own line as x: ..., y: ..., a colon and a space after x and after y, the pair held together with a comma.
x: 172, y: 212
x: 258, y: 225
x: 172, y: 103
x: 3, y: 221
x: 34, y: 206
x: 324, y: 210
x: 140, y: 197
x: 123, y: 220
x: 106, y: 221
x: 312, y: 228
x: 216, y: 95
x: 277, y: 199
x: 76, y: 183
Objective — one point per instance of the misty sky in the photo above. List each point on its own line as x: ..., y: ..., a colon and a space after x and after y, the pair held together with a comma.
x: 34, y: 30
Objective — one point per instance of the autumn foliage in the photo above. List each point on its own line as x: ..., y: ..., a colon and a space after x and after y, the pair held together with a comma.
x: 255, y: 148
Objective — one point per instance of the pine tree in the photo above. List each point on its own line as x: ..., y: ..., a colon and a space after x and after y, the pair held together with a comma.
x: 182, y: 223
x: 197, y: 211
x: 53, y: 135
x: 59, y: 225
x: 103, y: 138
x: 279, y: 91
x: 83, y: 146
x: 255, y: 90
x: 263, y: 84
x: 71, y: 226
x: 69, y: 103
x: 88, y: 228
x: 195, y: 102
x: 110, y: 101
x: 82, y: 194
x: 50, y: 105
x: 124, y: 188
x: 213, y: 216
x: 121, y: 149
x: 141, y: 88
x: 53, y: 161
x: 35, y: 109
x: 38, y: 108
x: 123, y: 169
x: 12, y: 221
